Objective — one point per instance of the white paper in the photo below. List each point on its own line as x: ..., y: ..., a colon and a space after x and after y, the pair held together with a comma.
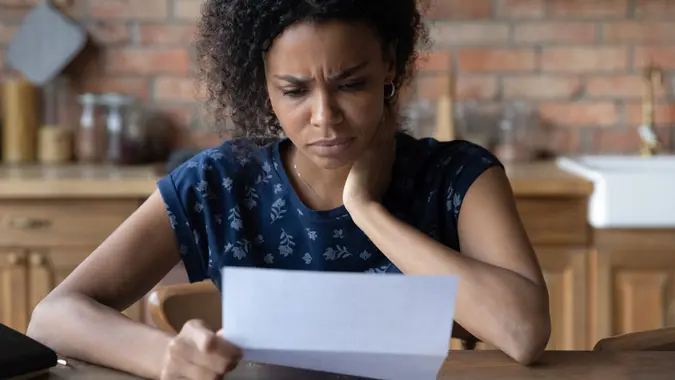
x: 382, y: 326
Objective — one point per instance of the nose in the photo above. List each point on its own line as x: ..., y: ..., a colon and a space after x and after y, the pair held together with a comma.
x: 325, y: 111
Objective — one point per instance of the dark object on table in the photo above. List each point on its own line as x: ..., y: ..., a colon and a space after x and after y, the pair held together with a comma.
x: 21, y: 355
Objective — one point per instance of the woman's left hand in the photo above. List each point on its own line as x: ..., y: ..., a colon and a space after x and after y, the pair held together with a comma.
x: 370, y: 175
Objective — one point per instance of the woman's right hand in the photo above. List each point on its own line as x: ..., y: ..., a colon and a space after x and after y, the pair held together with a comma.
x: 198, y: 353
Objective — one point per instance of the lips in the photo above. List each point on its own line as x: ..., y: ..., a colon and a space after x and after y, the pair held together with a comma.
x: 330, y: 147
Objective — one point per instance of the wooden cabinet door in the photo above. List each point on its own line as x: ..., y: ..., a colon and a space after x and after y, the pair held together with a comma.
x: 14, y: 311
x: 632, y: 282
x: 565, y: 271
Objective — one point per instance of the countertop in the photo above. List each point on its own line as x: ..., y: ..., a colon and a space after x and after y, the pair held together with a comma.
x: 88, y: 181
x: 77, y: 181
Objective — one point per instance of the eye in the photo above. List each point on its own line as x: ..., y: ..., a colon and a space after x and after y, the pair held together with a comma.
x: 354, y: 86
x: 294, y: 92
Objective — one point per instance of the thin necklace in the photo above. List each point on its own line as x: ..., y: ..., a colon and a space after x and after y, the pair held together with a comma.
x: 306, y: 183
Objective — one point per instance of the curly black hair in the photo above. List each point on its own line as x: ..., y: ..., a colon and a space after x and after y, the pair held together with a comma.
x: 233, y: 36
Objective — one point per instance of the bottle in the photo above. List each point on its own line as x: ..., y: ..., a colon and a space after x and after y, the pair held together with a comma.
x: 55, y: 145
x: 19, y: 135
x: 116, y: 118
x: 91, y: 142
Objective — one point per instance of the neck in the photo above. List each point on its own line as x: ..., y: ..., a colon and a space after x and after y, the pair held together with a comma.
x: 316, y: 176
x: 319, y: 188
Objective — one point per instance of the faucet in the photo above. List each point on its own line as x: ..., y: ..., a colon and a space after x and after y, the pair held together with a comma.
x: 649, y: 141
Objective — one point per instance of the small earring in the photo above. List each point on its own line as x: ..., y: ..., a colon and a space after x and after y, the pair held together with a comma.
x: 389, y: 91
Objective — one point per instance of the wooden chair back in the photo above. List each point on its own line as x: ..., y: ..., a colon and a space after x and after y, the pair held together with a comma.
x: 650, y: 340
x: 171, y: 306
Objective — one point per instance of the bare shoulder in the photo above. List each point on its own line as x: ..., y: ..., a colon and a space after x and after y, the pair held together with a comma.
x: 130, y: 261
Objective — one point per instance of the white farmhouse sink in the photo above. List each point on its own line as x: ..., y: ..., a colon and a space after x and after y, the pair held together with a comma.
x: 630, y: 191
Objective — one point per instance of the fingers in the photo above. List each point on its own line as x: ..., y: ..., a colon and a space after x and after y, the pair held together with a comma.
x: 208, y: 349
x: 228, y: 349
x: 180, y: 368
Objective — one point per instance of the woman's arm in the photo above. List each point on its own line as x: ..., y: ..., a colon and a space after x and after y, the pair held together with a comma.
x: 502, y: 298
x: 74, y: 319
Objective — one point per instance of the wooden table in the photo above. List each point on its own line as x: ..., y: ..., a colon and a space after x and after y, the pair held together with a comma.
x: 466, y: 365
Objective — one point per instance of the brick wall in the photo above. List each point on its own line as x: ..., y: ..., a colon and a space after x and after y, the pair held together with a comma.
x: 576, y: 61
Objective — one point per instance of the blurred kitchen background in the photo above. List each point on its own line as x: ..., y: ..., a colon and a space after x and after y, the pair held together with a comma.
x: 545, y: 76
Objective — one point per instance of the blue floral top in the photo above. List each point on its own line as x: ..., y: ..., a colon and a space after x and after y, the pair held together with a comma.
x: 234, y: 205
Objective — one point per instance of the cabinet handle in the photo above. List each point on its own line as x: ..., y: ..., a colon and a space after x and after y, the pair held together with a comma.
x: 37, y: 259
x: 16, y: 259
x: 28, y: 223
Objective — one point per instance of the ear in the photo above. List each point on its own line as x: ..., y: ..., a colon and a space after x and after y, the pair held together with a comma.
x: 390, y: 61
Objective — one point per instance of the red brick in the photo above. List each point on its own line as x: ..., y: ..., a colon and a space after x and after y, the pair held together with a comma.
x: 615, y: 140
x: 177, y: 89
x: 466, y: 87
x: 17, y: 3
x: 580, y: 114
x: 584, y: 59
x: 434, y: 61
x: 167, y: 34
x: 187, y: 9
x: 476, y: 87
x: 520, y: 9
x: 568, y: 32
x: 655, y: 8
x: 621, y: 140
x: 6, y: 32
x: 663, y: 56
x: 587, y: 8
x: 664, y: 113
x: 74, y: 8
x: 638, y: 31
x: 147, y: 61
x: 129, y: 9
x: 460, y: 9
x: 458, y: 33
x: 109, y: 33
x: 542, y: 86
x: 16, y: 9
x: 619, y: 86
x: 477, y: 60
x: 139, y: 87
x: 560, y: 140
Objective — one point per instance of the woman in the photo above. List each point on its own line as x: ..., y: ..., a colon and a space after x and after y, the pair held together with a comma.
x: 343, y: 191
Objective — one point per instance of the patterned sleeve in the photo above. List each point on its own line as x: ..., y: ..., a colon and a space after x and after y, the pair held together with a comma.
x: 467, y: 162
x: 186, y: 195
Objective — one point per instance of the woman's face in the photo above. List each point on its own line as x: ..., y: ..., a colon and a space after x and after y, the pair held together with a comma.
x: 326, y: 85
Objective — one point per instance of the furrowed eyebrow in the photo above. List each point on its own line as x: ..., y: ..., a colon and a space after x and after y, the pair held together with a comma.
x: 339, y: 76
x: 349, y: 72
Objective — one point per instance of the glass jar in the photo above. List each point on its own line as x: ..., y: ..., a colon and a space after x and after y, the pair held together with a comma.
x: 91, y: 133
x: 55, y: 138
x: 121, y: 126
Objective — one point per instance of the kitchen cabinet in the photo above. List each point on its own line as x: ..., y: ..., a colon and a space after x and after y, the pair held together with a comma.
x: 42, y: 241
